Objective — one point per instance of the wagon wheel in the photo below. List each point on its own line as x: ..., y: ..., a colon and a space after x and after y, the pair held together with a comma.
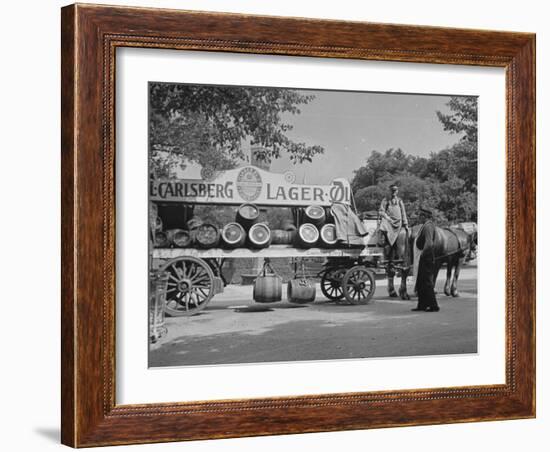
x: 358, y: 285
x: 331, y: 284
x: 189, y: 286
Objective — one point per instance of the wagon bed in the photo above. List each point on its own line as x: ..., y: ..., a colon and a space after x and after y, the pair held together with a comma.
x: 270, y: 252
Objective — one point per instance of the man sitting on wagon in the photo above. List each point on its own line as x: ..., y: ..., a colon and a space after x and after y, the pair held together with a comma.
x: 392, y: 217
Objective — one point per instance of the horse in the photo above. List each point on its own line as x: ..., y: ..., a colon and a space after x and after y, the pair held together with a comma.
x: 458, y: 246
x: 453, y: 247
x: 399, y: 256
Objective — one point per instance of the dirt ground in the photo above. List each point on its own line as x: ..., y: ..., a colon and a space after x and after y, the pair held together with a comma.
x: 234, y: 329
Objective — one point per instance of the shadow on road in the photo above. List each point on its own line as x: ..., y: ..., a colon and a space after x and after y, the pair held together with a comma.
x: 276, y: 307
x: 253, y: 308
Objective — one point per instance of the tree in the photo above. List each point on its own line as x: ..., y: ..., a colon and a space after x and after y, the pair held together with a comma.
x: 457, y: 202
x: 368, y: 198
x: 461, y: 158
x: 458, y: 161
x: 415, y: 192
x: 446, y: 182
x: 380, y: 165
x: 209, y: 125
x: 463, y: 118
x: 420, y: 167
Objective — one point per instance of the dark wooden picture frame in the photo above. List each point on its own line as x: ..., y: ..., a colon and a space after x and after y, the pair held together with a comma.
x: 90, y: 36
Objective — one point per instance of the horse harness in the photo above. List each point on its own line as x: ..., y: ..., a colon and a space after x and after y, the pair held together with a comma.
x: 459, y: 250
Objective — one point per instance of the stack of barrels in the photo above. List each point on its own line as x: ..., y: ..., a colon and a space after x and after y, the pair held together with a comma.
x: 316, y: 229
x: 311, y: 227
x: 254, y: 233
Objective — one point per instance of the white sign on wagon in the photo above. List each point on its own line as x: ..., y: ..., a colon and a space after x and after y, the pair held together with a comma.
x: 250, y: 184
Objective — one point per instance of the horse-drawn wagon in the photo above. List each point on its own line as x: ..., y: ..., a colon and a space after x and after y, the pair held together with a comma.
x: 192, y: 255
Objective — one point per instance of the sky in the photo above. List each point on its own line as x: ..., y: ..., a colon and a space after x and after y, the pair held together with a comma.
x: 350, y: 125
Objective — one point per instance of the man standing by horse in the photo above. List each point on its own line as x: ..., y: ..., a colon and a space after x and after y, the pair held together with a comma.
x: 392, y: 217
x: 425, y: 244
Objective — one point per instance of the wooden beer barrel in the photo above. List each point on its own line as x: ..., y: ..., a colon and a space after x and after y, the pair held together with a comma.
x: 233, y: 235
x: 259, y: 235
x: 314, y: 215
x: 300, y: 291
x: 328, y: 235
x: 282, y: 237
x: 268, y: 289
x: 161, y: 240
x: 307, y: 235
x: 247, y: 215
x: 180, y: 238
x: 207, y: 235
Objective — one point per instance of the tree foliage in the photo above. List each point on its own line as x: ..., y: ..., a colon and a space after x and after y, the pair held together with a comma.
x: 209, y: 125
x: 463, y: 117
x: 393, y: 161
x: 446, y: 182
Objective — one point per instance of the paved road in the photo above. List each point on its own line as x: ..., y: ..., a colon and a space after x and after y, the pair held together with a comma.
x: 234, y: 329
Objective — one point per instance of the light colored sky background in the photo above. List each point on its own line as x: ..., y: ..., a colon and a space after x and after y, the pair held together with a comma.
x: 350, y: 125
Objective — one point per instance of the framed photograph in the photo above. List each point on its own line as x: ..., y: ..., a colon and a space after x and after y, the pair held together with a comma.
x: 281, y: 225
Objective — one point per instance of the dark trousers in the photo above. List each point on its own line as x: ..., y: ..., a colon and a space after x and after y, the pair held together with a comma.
x: 425, y: 284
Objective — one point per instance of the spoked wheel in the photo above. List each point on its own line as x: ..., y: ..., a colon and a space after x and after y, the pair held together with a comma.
x: 358, y: 285
x: 190, y: 286
x: 331, y: 284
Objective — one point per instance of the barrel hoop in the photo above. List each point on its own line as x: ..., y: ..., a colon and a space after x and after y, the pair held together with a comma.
x: 256, y: 227
x: 311, y: 227
x: 238, y: 239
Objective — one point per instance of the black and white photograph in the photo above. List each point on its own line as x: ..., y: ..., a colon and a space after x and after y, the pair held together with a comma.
x: 275, y: 226
x: 303, y: 225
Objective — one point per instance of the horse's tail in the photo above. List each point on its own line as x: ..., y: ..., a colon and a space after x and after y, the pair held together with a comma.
x: 472, y: 246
